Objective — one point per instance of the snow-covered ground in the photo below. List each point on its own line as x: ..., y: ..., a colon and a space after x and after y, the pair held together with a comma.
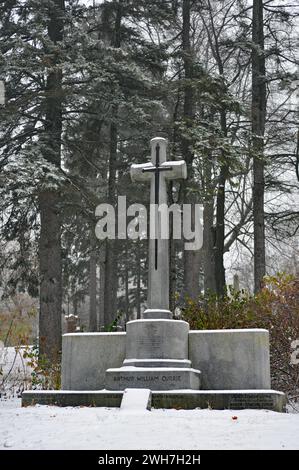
x: 15, y: 373
x: 49, y: 427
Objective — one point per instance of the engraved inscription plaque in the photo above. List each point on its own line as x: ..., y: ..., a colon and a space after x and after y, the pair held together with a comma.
x: 251, y: 400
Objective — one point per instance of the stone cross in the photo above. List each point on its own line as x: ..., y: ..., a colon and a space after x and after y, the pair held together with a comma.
x: 157, y: 172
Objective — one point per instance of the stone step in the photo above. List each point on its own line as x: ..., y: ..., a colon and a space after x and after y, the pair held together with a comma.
x: 98, y: 398
x: 159, y: 378
x: 181, y: 363
x: 184, y: 399
x: 221, y: 399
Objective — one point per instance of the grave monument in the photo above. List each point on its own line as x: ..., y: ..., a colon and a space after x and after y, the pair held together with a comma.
x: 180, y: 368
x: 156, y: 345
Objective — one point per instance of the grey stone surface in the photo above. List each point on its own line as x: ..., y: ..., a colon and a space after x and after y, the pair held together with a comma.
x: 87, y: 356
x: 157, y: 171
x: 157, y: 363
x: 154, y: 349
x: 72, y: 398
x: 217, y: 400
x: 231, y: 359
x: 162, y: 378
x: 156, y: 313
x: 157, y: 339
x: 221, y: 400
x: 228, y: 359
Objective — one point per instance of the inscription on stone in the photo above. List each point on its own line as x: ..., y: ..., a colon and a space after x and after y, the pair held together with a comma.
x: 251, y: 401
x: 151, y: 346
x: 152, y: 342
x: 147, y: 378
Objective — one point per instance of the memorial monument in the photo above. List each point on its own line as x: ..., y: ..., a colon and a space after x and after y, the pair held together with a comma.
x: 156, y: 345
x: 181, y: 368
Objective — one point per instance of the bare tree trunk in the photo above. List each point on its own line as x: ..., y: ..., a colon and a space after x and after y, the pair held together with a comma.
x: 172, y: 252
x: 110, y: 261
x: 50, y: 243
x: 220, y: 233
x: 172, y: 242
x: 258, y: 129
x: 138, y: 287
x: 191, y: 257
x: 208, y: 231
x: 110, y: 297
x: 50, y: 277
x: 127, y: 300
x: 172, y: 267
x: 220, y: 198
x: 93, y: 323
x: 102, y: 290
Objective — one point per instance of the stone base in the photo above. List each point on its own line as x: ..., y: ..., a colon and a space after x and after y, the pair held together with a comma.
x: 231, y: 359
x: 101, y: 398
x: 160, y: 378
x: 227, y: 359
x: 185, y: 363
x: 221, y: 400
x: 87, y: 356
x: 184, y: 399
x: 157, y: 339
x: 157, y: 314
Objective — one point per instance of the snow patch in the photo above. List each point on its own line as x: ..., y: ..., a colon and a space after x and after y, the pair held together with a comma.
x: 136, y: 400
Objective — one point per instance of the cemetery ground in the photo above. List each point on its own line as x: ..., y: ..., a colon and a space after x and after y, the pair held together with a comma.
x: 49, y: 427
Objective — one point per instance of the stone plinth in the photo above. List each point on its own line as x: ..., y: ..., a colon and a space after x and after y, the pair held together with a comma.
x: 87, y: 356
x: 152, y: 313
x: 102, y: 398
x: 221, y: 400
x: 157, y: 339
x: 231, y: 359
x: 156, y: 357
x: 161, y: 378
x: 191, y: 399
x: 228, y: 359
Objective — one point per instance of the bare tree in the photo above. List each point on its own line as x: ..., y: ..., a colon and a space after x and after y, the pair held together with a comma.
x: 258, y: 111
x: 110, y: 295
x: 192, y: 257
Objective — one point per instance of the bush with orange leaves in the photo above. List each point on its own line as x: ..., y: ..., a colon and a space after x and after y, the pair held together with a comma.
x: 275, y: 307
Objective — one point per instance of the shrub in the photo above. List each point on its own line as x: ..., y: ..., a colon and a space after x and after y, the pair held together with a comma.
x: 275, y: 308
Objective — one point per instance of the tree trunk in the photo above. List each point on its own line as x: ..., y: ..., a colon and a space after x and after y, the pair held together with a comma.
x: 220, y: 282
x: 208, y: 231
x: 258, y: 129
x: 220, y: 232
x: 127, y: 299
x: 50, y: 277
x: 172, y: 242
x: 102, y: 291
x: 110, y: 297
x: 93, y: 323
x: 172, y: 267
x: 138, y: 286
x: 191, y: 257
x: 50, y: 243
x: 110, y: 262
